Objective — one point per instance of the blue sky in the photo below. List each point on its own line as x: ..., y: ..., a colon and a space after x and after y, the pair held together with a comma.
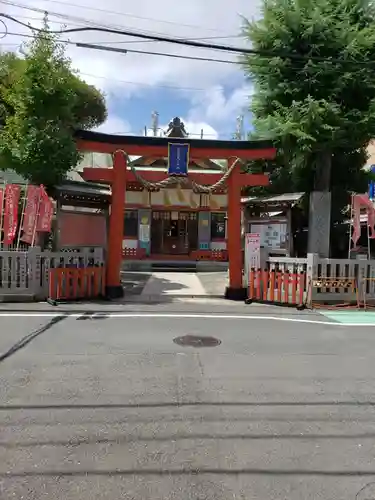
x: 137, y: 112
x: 206, y: 95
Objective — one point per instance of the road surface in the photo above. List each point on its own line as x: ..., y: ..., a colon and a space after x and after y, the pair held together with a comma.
x: 109, y: 407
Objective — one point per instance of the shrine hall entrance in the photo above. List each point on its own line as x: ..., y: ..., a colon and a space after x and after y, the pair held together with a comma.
x: 174, y: 232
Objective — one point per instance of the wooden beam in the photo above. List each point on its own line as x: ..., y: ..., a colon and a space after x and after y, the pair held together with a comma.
x: 253, y: 180
x: 104, y: 175
x: 162, y: 151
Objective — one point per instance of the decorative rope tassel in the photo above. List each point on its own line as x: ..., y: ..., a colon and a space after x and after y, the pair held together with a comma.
x: 167, y: 200
x: 146, y: 197
x: 180, y: 195
x: 193, y: 203
x: 212, y: 202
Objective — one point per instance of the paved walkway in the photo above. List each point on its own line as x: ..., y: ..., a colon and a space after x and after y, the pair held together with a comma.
x: 352, y: 317
x: 173, y: 284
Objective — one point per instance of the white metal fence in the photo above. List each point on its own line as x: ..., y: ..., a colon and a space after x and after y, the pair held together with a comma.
x: 27, y: 273
x: 362, y: 271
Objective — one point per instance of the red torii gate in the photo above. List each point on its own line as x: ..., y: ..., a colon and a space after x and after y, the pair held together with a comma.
x: 158, y: 147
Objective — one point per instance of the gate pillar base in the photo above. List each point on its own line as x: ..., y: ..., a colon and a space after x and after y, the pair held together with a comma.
x: 238, y: 294
x: 114, y: 292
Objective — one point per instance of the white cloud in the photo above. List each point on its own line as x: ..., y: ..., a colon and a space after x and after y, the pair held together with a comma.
x: 219, y: 108
x: 115, y: 125
x: 123, y: 75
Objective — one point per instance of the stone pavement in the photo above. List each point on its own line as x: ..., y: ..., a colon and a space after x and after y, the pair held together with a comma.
x: 175, y: 283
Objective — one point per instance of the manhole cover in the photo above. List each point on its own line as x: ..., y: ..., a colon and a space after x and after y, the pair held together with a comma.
x: 196, y: 341
x: 367, y: 492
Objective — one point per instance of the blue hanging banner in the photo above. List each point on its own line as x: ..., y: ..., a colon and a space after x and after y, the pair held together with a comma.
x: 371, y: 191
x: 178, y: 158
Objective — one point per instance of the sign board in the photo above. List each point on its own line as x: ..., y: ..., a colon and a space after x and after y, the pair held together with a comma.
x: 252, y: 249
x: 178, y: 158
x: 252, y: 253
x: 273, y: 235
x: 144, y: 233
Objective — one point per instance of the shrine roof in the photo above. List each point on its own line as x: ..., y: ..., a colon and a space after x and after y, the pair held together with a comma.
x: 282, y: 199
x: 123, y: 140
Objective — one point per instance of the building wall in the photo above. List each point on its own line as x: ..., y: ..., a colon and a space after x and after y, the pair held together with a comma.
x: 168, y: 198
x: 172, y: 199
x: 371, y: 153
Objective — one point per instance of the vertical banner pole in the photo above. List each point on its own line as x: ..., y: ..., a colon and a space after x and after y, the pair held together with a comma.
x: 22, y: 216
x: 350, y: 226
x: 37, y: 216
x: 2, y: 207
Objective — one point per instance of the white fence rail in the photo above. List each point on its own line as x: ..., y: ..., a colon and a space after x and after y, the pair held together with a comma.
x: 362, y: 271
x: 27, y: 273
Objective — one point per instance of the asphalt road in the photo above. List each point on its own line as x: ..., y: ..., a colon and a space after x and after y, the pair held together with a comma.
x: 111, y: 408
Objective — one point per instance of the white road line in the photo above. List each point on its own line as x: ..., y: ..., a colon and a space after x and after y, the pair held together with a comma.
x: 179, y: 316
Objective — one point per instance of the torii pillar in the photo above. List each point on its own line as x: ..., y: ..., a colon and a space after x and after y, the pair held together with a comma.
x: 114, y: 289
x: 235, y: 290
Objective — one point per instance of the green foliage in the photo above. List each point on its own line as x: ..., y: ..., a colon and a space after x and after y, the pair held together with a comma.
x: 42, y: 103
x: 314, y: 107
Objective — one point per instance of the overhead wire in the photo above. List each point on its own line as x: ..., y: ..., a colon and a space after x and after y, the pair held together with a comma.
x: 117, y: 13
x: 197, y: 44
x: 85, y: 22
x: 125, y: 51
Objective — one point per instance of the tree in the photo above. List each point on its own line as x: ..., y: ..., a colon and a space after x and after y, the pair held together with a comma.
x: 11, y: 68
x: 41, y: 109
x: 314, y: 93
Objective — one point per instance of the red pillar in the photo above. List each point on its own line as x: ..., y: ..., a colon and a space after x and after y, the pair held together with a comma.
x: 116, y: 224
x: 235, y: 291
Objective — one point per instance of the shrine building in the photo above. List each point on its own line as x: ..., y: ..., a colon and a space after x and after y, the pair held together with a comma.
x: 173, y: 223
x: 170, y: 196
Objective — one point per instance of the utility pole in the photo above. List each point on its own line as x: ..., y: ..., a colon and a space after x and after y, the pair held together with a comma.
x: 239, y: 129
x: 155, y: 122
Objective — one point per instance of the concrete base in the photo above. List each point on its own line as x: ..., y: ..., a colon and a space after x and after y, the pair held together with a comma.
x: 180, y: 266
x: 14, y: 297
x: 238, y: 294
x: 114, y: 292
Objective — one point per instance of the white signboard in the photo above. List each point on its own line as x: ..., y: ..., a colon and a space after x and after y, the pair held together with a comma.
x: 144, y: 233
x: 252, y: 250
x: 272, y: 235
x: 252, y: 253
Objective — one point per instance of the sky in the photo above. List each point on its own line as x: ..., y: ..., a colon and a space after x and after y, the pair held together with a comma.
x: 207, y: 95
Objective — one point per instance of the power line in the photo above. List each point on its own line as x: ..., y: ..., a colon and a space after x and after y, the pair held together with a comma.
x: 125, y: 51
x: 86, y: 22
x: 163, y: 54
x: 197, y: 44
x: 90, y: 22
x: 106, y: 11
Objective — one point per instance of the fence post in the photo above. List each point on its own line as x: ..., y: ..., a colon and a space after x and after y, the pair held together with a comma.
x: 311, y: 273
x: 362, y: 283
x: 34, y: 257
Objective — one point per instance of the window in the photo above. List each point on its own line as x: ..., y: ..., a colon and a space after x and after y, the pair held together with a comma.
x: 131, y: 223
x: 218, y: 225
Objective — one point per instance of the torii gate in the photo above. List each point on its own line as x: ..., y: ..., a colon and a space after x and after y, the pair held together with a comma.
x: 119, y: 175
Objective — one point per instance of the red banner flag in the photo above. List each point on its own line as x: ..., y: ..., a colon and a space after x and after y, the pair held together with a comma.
x: 12, y: 196
x: 31, y: 213
x: 1, y: 206
x: 45, y: 212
